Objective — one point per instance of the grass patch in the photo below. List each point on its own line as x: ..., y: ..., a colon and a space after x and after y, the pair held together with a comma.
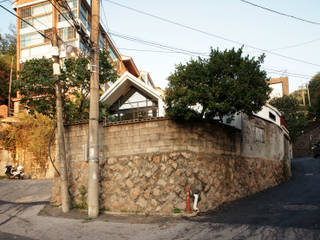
x: 87, y: 218
x: 83, y: 204
x: 176, y: 210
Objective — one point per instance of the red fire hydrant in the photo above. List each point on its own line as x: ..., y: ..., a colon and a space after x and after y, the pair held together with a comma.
x: 188, y: 199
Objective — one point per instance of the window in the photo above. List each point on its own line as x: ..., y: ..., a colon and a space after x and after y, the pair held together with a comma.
x: 73, y: 4
x: 62, y: 17
x: 272, y: 116
x: 111, y: 52
x: 25, y: 12
x: 41, y: 9
x: 84, y: 49
x: 39, y: 16
x: 31, y: 39
x: 24, y: 24
x: 42, y: 21
x: 84, y: 16
x: 101, y: 41
x: 67, y: 33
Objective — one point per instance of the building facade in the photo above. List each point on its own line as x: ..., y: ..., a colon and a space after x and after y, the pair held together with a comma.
x: 280, y: 87
x: 69, y: 18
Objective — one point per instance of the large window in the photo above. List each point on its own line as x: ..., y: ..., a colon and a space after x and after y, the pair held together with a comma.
x: 84, y: 16
x: 39, y: 16
x: 31, y: 39
x: 67, y: 33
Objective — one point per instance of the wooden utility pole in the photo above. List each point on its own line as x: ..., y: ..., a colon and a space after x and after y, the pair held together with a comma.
x: 10, y: 84
x: 93, y: 175
x: 309, y: 100
x: 60, y: 127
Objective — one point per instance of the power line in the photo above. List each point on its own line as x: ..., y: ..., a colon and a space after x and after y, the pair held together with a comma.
x: 211, y: 34
x: 295, y: 45
x: 155, y: 44
x: 83, y: 35
x: 280, y: 13
x: 42, y: 34
x: 153, y: 51
x: 61, y: 13
x: 105, y: 17
x: 269, y: 70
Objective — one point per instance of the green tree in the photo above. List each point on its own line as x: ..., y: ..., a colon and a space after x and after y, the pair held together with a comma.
x: 223, y: 84
x: 7, y: 55
x: 37, y: 86
x: 314, y: 88
x: 292, y: 113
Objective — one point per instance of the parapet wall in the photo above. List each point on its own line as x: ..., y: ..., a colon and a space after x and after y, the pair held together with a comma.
x: 145, y: 166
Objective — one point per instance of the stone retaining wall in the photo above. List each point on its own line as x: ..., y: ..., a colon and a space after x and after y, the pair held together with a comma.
x: 146, y: 166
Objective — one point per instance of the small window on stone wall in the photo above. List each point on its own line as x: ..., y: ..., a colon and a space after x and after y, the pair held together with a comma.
x: 259, y: 134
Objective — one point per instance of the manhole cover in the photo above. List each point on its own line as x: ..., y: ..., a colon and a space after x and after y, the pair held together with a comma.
x: 299, y: 207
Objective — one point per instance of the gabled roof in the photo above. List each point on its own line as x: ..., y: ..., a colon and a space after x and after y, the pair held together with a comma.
x: 123, y: 85
x: 130, y: 65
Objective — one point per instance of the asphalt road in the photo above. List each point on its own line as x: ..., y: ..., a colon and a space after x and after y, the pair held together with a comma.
x: 289, y: 211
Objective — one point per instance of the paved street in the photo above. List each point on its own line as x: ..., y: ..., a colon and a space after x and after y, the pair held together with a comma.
x: 289, y: 211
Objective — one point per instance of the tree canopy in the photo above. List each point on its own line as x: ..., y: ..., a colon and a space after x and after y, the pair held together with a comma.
x: 224, y: 84
x: 7, y: 55
x: 292, y: 113
x: 314, y: 88
x: 36, y: 84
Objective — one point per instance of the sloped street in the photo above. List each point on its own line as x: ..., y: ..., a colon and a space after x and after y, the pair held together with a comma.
x: 289, y: 211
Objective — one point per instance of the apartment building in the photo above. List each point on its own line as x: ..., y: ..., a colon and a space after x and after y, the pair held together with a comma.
x: 45, y: 15
x: 279, y: 86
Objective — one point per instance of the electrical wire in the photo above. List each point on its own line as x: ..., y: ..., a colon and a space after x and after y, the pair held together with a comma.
x: 267, y: 69
x: 289, y: 73
x: 212, y: 35
x: 295, y: 45
x: 155, y: 44
x: 83, y: 35
x: 280, y: 13
x: 153, y: 51
x: 105, y: 16
x: 62, y: 14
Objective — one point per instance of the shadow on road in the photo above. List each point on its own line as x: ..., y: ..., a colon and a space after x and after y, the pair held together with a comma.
x: 295, y: 204
x: 12, y: 209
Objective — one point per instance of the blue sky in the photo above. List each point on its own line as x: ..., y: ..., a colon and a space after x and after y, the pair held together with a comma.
x: 231, y: 19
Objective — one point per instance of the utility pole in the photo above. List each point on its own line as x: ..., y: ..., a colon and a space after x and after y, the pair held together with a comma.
x: 60, y: 127
x: 93, y: 174
x: 10, y: 83
x: 309, y: 95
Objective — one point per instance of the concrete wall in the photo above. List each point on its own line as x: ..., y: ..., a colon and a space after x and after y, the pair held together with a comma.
x: 261, y: 139
x: 145, y: 166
